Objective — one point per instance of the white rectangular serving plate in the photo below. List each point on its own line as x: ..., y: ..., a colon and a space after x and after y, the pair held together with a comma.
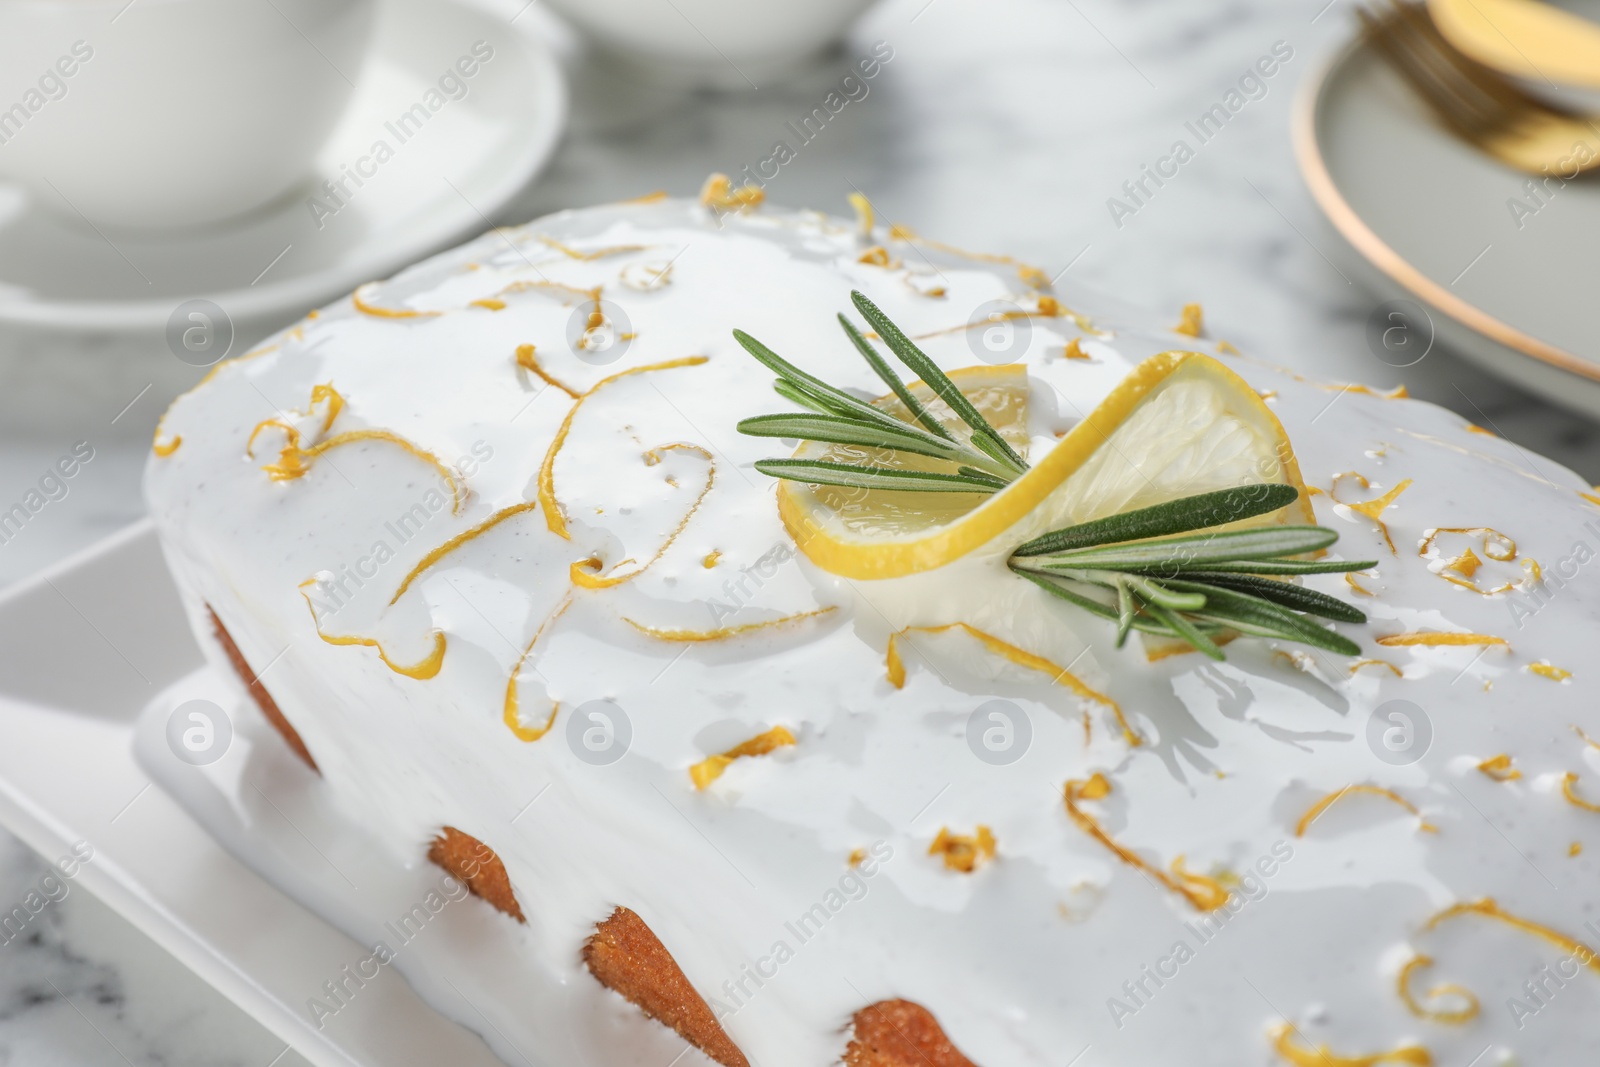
x: 84, y: 649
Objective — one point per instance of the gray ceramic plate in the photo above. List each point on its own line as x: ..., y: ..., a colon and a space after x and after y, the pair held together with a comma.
x: 1422, y: 216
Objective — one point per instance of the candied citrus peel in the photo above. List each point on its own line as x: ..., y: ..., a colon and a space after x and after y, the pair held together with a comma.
x: 646, y: 277
x: 710, y: 769
x: 555, y: 517
x: 1496, y: 545
x: 1371, y: 790
x: 1462, y: 569
x: 586, y: 573
x: 1297, y: 660
x: 1046, y: 307
x: 1355, y: 586
x: 1545, y: 669
x: 1374, y: 508
x: 422, y: 670
x: 1205, y: 894
x: 1306, y: 1055
x: 963, y: 852
x: 359, y: 301
x: 1399, y: 392
x: 718, y: 193
x: 513, y: 719
x: 1440, y: 640
x: 1569, y: 782
x: 528, y: 359
x: 1155, y: 652
x: 295, y: 461
x: 290, y: 463
x: 169, y: 446
x: 1192, y: 323
x: 1030, y: 275
x: 437, y: 553
x: 1487, y: 908
x: 512, y: 714
x: 1451, y: 1017
x: 574, y: 294
x: 864, y: 213
x: 722, y: 633
x: 1059, y: 675
x: 1363, y: 664
x: 1033, y: 277
x: 332, y: 403
x: 1499, y: 768
x: 598, y: 253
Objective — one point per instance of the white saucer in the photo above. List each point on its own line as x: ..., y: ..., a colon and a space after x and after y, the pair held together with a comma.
x: 1424, y: 217
x: 446, y: 181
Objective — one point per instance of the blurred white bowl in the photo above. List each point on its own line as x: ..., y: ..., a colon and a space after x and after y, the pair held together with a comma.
x: 713, y: 42
x: 172, y: 113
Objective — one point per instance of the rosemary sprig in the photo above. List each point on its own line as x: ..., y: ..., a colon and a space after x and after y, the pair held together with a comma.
x: 984, y: 436
x: 892, y: 380
x: 1205, y: 582
x: 824, y: 472
x: 1174, y: 570
x: 985, y: 462
x: 1176, y: 516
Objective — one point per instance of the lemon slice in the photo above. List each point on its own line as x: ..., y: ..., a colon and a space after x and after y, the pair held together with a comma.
x: 1179, y: 425
x: 870, y: 516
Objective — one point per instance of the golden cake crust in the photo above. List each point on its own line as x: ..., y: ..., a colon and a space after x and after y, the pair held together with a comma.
x: 626, y: 956
x: 477, y: 865
x: 898, y: 1033
x: 258, y: 692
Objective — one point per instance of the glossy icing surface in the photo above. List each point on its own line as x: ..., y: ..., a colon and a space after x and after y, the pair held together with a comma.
x: 402, y: 567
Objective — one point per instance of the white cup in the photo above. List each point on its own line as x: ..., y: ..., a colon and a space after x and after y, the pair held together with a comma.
x: 172, y: 113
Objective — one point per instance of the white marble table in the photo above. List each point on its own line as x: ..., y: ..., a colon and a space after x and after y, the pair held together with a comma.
x: 1004, y: 125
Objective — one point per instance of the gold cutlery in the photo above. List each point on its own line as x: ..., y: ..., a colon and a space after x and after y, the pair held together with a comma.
x: 1479, y: 104
x: 1524, y: 38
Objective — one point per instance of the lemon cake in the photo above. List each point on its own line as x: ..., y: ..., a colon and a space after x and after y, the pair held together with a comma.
x: 821, y: 644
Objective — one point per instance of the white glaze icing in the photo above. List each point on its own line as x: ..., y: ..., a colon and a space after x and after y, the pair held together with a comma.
x: 1019, y: 960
